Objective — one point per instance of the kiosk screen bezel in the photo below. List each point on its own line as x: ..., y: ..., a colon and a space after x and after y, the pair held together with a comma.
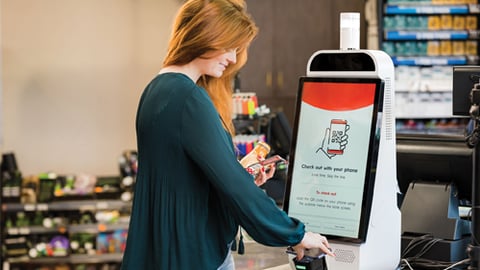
x: 371, y: 162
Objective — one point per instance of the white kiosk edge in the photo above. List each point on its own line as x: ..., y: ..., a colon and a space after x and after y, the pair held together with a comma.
x: 382, y: 248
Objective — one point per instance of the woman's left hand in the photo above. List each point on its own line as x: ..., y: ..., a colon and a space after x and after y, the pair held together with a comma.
x: 265, y: 173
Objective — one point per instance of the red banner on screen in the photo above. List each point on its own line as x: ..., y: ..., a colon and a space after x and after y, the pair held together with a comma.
x: 338, y: 96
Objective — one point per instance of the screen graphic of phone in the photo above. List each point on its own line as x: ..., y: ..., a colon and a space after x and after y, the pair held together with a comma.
x: 336, y: 134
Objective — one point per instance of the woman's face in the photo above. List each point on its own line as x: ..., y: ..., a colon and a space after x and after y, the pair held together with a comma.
x: 214, y: 63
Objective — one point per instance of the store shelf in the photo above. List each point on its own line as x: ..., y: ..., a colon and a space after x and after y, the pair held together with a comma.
x: 14, y: 231
x: 407, y: 9
x: 425, y: 39
x: 432, y: 60
x: 76, y: 228
x: 452, y: 126
x: 394, y: 35
x: 414, y: 105
x: 71, y: 259
x: 99, y: 258
x: 95, y: 228
x: 75, y: 205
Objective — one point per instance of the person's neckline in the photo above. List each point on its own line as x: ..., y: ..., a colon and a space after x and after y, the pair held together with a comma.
x: 180, y: 70
x: 174, y: 73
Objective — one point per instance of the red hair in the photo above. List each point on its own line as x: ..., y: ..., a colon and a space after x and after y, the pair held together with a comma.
x: 203, y: 26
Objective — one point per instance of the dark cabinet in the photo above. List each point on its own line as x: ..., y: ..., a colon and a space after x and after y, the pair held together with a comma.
x: 290, y: 32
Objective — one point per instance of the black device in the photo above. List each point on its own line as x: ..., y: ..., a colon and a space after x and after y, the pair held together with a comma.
x: 466, y: 101
x: 279, y: 134
x: 435, y: 158
x: 434, y: 173
x: 464, y: 79
x: 314, y: 259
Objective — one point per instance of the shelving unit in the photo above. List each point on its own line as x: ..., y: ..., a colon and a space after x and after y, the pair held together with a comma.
x: 425, y: 39
x: 57, y: 227
x: 422, y: 22
x: 27, y: 234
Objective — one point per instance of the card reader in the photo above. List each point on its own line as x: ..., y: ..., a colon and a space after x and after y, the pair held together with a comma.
x: 314, y: 259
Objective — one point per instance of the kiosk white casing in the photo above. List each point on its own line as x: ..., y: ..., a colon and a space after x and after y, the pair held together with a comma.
x: 382, y: 247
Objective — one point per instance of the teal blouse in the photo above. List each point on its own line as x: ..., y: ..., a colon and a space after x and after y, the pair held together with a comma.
x: 191, y: 193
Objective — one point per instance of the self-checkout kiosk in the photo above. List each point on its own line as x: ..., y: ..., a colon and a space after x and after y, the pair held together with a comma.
x: 342, y: 172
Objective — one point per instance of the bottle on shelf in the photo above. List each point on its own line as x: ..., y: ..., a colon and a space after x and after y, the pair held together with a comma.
x: 11, y: 178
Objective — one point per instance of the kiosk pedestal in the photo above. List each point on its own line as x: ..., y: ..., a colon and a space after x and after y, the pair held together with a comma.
x: 342, y: 175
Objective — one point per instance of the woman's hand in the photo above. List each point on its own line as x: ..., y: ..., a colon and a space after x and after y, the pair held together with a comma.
x: 312, y: 240
x: 265, y: 174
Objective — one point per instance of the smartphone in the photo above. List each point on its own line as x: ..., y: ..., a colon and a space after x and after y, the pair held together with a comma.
x: 273, y: 159
x: 311, y: 253
x: 255, y: 168
x: 337, y: 131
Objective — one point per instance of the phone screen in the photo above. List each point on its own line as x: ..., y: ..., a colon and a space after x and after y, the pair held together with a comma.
x: 273, y: 159
x: 337, y: 131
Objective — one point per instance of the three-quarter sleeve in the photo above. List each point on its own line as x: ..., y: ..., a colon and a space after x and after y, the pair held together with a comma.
x: 207, y: 143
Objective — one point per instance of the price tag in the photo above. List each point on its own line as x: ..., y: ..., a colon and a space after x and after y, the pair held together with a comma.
x: 42, y: 207
x: 102, y: 227
x: 474, y: 8
x: 24, y: 230
x: 102, y: 205
x: 474, y: 34
x: 13, y: 231
x: 29, y: 207
x: 62, y: 229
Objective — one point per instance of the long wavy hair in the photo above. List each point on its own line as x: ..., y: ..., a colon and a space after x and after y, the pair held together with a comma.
x: 204, y: 26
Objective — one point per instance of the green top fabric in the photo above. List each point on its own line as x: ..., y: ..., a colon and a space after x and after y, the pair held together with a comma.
x: 191, y: 193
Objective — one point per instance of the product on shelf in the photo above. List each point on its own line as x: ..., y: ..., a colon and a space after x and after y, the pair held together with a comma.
x: 128, y: 164
x: 47, y: 187
x: 30, y: 186
x: 111, y: 242
x: 108, y: 187
x: 431, y: 126
x: 245, y: 143
x: 16, y: 246
x: 245, y: 104
x: 55, y: 246
x: 83, y: 243
x: 11, y: 178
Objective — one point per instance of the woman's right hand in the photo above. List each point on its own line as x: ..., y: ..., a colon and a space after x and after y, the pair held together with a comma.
x: 264, y: 174
x: 312, y: 240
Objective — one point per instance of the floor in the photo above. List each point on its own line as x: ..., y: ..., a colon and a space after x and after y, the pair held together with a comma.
x: 259, y: 257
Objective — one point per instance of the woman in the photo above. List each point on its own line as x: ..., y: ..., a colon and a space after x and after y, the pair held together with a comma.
x: 191, y: 193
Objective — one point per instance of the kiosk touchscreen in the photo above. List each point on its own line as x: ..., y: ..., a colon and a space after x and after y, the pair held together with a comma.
x: 334, y: 155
